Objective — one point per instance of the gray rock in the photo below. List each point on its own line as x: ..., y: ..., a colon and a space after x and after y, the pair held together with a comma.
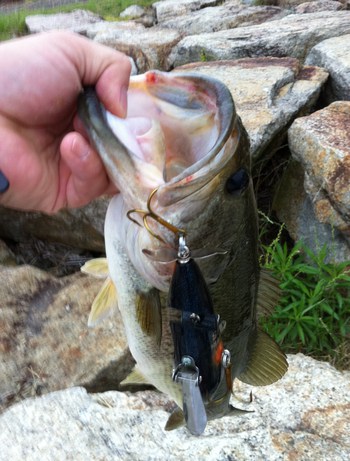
x: 81, y: 228
x: 294, y: 207
x: 318, y: 5
x: 319, y: 209
x: 45, y: 343
x: 149, y: 48
x: 133, y: 11
x: 106, y: 26
x: 293, y: 35
x: 334, y: 55
x: 76, y: 21
x: 304, y: 416
x: 268, y: 94
x: 146, y: 16
x: 170, y: 9
x: 221, y: 18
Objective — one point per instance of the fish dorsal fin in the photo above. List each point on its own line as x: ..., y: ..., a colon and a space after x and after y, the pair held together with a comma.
x: 269, y: 292
x: 135, y: 377
x: 267, y: 363
x: 97, y: 267
x: 149, y: 315
x: 175, y: 420
x: 104, y: 303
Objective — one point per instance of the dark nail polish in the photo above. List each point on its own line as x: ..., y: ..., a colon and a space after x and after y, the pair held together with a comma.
x: 4, y: 184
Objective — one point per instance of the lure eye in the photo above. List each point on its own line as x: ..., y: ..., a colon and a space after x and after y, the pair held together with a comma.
x: 237, y: 182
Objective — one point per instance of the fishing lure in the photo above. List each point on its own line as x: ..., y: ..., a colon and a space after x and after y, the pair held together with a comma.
x: 199, y: 355
x: 201, y: 364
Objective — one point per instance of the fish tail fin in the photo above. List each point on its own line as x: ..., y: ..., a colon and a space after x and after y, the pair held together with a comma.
x: 267, y: 363
x: 104, y: 303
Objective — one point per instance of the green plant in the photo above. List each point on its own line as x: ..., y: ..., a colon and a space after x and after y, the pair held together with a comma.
x: 313, y: 313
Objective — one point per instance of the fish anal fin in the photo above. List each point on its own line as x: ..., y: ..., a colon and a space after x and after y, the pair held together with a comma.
x: 267, y: 363
x: 269, y: 292
x: 175, y: 420
x: 104, y: 303
x: 97, y: 267
x: 149, y: 315
x: 134, y: 378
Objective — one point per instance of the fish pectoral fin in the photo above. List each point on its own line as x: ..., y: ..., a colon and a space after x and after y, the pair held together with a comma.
x: 267, y: 363
x: 135, y: 377
x: 97, y: 267
x: 104, y: 303
x: 149, y: 315
x: 175, y: 420
x: 269, y: 292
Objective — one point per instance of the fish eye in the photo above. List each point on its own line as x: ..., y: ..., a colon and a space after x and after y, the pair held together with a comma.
x: 237, y: 182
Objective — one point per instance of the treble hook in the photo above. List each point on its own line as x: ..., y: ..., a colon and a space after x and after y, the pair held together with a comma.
x: 149, y: 213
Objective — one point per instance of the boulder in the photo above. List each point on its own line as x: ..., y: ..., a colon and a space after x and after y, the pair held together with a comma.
x: 334, y: 55
x: 76, y: 21
x: 81, y: 227
x: 149, y: 48
x: 293, y: 36
x: 268, y: 94
x: 227, y: 16
x: 106, y: 26
x: 146, y: 16
x: 45, y: 344
x: 320, y: 144
x: 304, y: 416
x: 170, y: 9
x: 318, y: 5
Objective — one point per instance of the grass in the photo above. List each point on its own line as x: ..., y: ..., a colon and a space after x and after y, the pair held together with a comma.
x: 13, y: 24
x: 313, y: 315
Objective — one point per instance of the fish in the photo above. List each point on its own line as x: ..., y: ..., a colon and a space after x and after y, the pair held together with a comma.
x: 181, y: 162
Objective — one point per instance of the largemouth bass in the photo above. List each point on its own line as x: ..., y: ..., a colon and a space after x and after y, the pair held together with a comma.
x: 182, y: 157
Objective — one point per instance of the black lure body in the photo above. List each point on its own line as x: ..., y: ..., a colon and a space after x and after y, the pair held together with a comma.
x: 196, y: 334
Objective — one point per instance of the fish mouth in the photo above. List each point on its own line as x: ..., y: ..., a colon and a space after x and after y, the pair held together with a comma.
x: 176, y: 126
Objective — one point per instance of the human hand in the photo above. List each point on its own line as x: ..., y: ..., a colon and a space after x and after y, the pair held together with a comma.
x: 43, y: 152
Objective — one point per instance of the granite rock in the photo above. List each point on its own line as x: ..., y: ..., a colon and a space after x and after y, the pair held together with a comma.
x: 334, y: 55
x: 45, y: 343
x: 304, y: 416
x: 293, y: 36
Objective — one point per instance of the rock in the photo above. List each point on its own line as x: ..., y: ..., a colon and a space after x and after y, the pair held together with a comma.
x: 268, y: 94
x: 320, y: 143
x: 76, y: 21
x: 45, y: 343
x: 146, y: 16
x: 221, y: 18
x: 81, y: 227
x: 132, y: 12
x: 170, y: 9
x: 318, y: 5
x: 148, y: 48
x: 106, y: 26
x: 304, y: 416
x: 293, y: 36
x: 294, y: 207
x: 334, y: 55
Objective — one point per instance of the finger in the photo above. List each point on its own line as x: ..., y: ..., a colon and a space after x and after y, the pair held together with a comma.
x: 109, y: 70
x: 88, y: 179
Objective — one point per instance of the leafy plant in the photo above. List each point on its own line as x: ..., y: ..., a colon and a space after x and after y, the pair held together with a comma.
x: 313, y: 315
